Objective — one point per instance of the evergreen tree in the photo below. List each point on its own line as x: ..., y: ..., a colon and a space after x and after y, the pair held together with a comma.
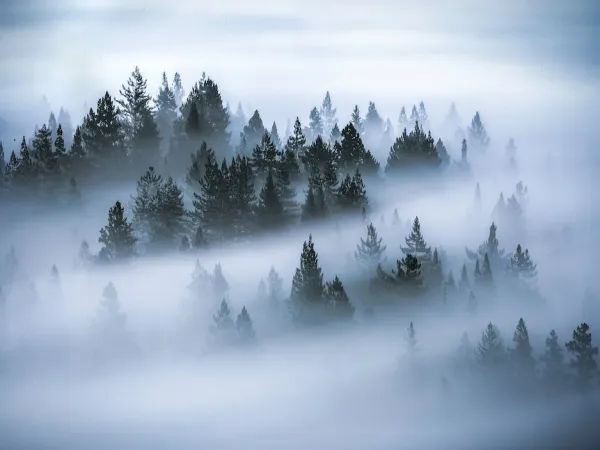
x: 414, y: 149
x: 521, y: 354
x: 244, y: 327
x: 491, y: 248
x: 254, y: 130
x: 402, y: 120
x: 315, y: 124
x: 369, y: 166
x: 177, y: 88
x: 583, y: 361
x: 328, y: 115
x: 485, y: 277
x: 286, y: 191
x: 408, y: 274
x: 308, y: 289
x: 274, y: 135
x: 223, y: 331
x: 270, y: 207
x: 337, y: 300
x: 335, y: 135
x: 477, y: 198
x: 373, y: 124
x: 242, y: 195
x: 274, y: 292
x: 145, y: 206
x: 511, y: 153
x: 84, y: 256
x: 113, y: 339
x: 553, y: 359
x: 220, y: 285
x: 43, y: 148
x: 414, y: 116
x: 77, y: 150
x: 166, y: 111
x: 117, y: 237
x: 478, y: 137
x: 356, y: 120
x: 264, y: 156
x: 52, y: 126
x: 352, y: 193
x: 59, y: 144
x: 199, y: 240
x: 351, y: 151
x: 370, y: 252
x: 442, y: 153
x: 415, y: 243
x: 491, y: 354
x: 314, y: 206
x: 423, y: 117
x: 522, y: 267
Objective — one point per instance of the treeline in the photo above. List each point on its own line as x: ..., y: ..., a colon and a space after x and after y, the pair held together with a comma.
x: 124, y: 135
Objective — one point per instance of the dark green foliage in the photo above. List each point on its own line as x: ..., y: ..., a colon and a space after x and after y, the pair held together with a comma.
x: 373, y: 124
x: 308, y: 290
x: 521, y: 354
x: 415, y: 243
x: 370, y: 252
x: 442, y: 153
x: 584, y: 353
x: 244, y: 327
x: 337, y: 300
x: 315, y: 206
x: 42, y: 149
x: 117, y: 237
x: 351, y: 151
x: 408, y: 273
x: 196, y: 170
x: 286, y: 190
x: 77, y: 150
x: 243, y: 198
x: 60, y: 150
x: 415, y: 149
x: 491, y: 354
x: 352, y: 194
x: 270, y: 206
x: 264, y: 156
x: 199, y: 240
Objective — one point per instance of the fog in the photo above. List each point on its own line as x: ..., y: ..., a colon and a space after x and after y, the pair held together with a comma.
x: 158, y: 382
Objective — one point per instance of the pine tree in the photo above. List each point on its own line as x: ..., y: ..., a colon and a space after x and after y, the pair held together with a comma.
x: 296, y: 144
x: 314, y: 206
x: 370, y: 252
x: 408, y: 274
x: 351, y: 150
x: 415, y: 243
x: 442, y: 153
x: 219, y: 283
x: 84, y: 256
x: 52, y: 126
x: 553, y: 359
x: 166, y: 112
x: 59, y: 144
x: 274, y: 135
x: 491, y: 354
x: 402, y: 120
x: 337, y: 300
x: 352, y: 193
x: 373, y: 124
x: 414, y: 116
x: 308, y: 289
x: 583, y: 361
x: 522, y: 267
x: 335, y: 135
x: 43, y: 148
x: 423, y: 117
x: 64, y: 119
x: 274, y: 292
x: 242, y: 197
x: 264, y: 156
x: 117, y: 237
x: 356, y: 120
x: 485, y: 278
x: 414, y: 149
x: 244, y: 327
x: 286, y: 191
x: 327, y: 114
x: 177, y: 88
x: 145, y: 208
x: 478, y: 137
x: 223, y: 331
x: 270, y: 207
x: 491, y: 248
x: 315, y: 124
x: 254, y: 130
x: 110, y: 324
x: 76, y: 150
x: 521, y: 354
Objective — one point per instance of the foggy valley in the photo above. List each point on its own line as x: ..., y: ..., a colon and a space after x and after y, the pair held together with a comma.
x: 325, y: 230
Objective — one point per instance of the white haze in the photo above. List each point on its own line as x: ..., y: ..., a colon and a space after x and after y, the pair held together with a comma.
x: 348, y: 389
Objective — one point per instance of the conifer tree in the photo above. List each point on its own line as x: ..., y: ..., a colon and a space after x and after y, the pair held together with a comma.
x: 486, y: 277
x: 244, y: 327
x: 254, y: 131
x: 308, y: 289
x: 584, y: 353
x: 242, y: 197
x: 219, y: 283
x: 478, y: 137
x: 351, y: 150
x: 373, y: 124
x: 315, y: 124
x: 402, y: 120
x: 223, y: 331
x: 491, y: 353
x: 264, y: 156
x: 423, y: 117
x: 337, y: 300
x: 521, y: 354
x: 274, y: 291
x: 328, y: 115
x: 352, y: 193
x: 166, y: 111
x: 477, y: 272
x: 491, y: 248
x: 442, y: 153
x: 414, y: 149
x: 356, y: 120
x: 314, y: 206
x: 117, y: 237
x: 59, y: 144
x: 274, y: 135
x: 76, y: 150
x: 111, y: 323
x: 64, y: 119
x: 408, y: 273
x: 335, y: 135
x: 145, y: 206
x: 414, y: 116
x: 270, y: 207
x: 84, y: 256
x: 553, y: 358
x: 43, y: 148
x: 450, y: 285
x: 286, y: 191
x: 522, y: 267
x: 477, y: 198
x: 466, y: 352
x: 415, y: 243
x: 177, y: 88
x: 370, y: 252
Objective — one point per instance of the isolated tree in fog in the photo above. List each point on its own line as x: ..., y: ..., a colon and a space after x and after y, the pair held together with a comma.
x: 223, y: 331
x: 415, y: 243
x: 117, y: 237
x: 244, y: 327
x: 522, y: 267
x: 370, y: 252
x: 308, y: 289
x: 584, y: 355
x: 411, y: 338
x: 408, y: 274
